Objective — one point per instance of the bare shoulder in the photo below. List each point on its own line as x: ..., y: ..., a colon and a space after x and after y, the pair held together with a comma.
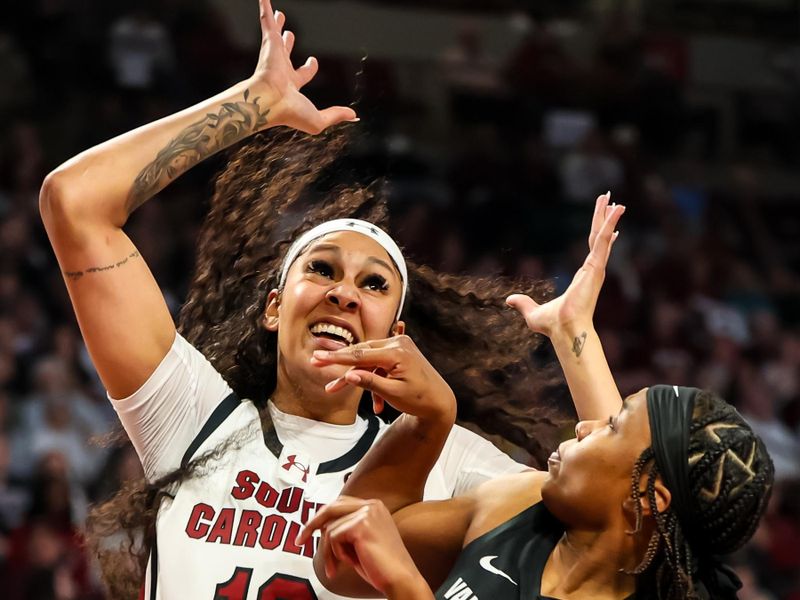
x: 497, y: 500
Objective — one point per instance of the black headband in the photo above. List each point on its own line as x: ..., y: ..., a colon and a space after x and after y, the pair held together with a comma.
x: 670, y: 409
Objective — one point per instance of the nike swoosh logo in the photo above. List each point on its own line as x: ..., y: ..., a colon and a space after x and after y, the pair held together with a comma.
x: 486, y: 563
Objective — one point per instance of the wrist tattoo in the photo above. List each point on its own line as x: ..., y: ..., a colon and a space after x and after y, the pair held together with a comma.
x: 578, y: 344
x: 76, y: 275
x: 233, y: 122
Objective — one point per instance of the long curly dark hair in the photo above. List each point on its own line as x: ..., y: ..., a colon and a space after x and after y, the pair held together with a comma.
x: 275, y: 187
x: 731, y: 476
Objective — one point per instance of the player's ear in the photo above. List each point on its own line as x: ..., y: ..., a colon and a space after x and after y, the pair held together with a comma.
x: 399, y: 328
x: 271, y: 312
x: 663, y: 499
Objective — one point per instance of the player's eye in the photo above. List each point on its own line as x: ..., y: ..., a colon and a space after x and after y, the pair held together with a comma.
x: 320, y: 267
x: 376, y: 283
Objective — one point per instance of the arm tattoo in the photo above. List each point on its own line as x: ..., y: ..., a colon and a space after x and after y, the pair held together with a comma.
x: 234, y: 122
x: 578, y: 344
x: 76, y: 275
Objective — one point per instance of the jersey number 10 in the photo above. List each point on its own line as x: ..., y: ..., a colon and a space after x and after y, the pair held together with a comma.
x: 277, y: 587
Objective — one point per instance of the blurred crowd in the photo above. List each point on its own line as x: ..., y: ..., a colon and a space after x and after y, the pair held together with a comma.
x: 703, y: 288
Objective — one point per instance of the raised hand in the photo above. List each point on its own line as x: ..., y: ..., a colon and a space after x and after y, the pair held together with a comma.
x: 283, y: 82
x: 394, y: 370
x: 577, y: 303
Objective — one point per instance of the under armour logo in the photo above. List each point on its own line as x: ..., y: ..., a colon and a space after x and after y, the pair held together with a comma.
x: 293, y: 463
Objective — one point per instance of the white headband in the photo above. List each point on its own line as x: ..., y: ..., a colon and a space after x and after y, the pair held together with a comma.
x: 359, y: 226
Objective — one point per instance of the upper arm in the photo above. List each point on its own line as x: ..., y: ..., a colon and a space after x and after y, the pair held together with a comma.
x: 166, y: 413
x: 434, y: 534
x: 120, y: 309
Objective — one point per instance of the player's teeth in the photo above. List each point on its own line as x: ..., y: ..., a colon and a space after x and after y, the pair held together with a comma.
x: 333, y: 330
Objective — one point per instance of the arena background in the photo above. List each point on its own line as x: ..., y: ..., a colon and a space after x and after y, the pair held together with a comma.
x: 496, y: 124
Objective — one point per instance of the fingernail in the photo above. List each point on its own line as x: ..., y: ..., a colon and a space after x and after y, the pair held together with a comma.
x: 356, y: 120
x: 321, y: 354
x: 353, y: 378
x: 608, y: 194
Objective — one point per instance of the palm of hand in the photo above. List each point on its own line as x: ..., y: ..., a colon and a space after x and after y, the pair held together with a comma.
x: 579, y: 299
x: 276, y: 71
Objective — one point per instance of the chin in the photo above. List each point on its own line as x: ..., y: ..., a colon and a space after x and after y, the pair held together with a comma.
x: 324, y: 375
x: 548, y: 486
x: 553, y: 495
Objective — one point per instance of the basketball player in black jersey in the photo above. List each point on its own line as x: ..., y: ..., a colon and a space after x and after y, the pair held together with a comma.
x: 639, y: 505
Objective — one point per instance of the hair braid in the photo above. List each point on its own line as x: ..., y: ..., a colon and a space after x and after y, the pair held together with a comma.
x: 730, y: 476
x: 636, y: 493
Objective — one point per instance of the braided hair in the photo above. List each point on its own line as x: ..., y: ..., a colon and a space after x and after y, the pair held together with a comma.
x: 731, y: 475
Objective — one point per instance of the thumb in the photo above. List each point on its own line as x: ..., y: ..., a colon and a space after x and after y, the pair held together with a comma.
x: 337, y: 114
x: 521, y: 303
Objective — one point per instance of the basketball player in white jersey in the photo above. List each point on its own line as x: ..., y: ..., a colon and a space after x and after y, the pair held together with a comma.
x: 250, y: 475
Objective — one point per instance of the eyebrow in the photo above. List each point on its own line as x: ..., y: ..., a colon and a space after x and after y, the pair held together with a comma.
x: 338, y: 251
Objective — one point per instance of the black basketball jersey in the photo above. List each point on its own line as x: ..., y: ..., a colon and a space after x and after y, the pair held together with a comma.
x: 506, y: 562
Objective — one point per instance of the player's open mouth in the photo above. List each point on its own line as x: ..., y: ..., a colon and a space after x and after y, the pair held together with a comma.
x: 333, y: 332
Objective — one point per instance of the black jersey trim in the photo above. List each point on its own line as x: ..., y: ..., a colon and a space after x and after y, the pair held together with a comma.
x: 154, y: 568
x: 356, y: 453
x: 222, y: 412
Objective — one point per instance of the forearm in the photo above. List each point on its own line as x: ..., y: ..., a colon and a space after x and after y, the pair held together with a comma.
x: 414, y: 588
x: 397, y: 466
x: 586, y: 370
x: 106, y: 183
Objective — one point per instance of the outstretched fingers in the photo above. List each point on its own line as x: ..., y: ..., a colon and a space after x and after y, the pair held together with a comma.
x: 272, y: 21
x: 600, y: 213
x: 288, y: 41
x: 280, y: 20
x: 265, y: 12
x: 307, y: 72
x: 606, y: 236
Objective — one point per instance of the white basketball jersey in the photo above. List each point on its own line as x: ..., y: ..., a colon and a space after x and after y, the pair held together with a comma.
x: 229, y: 531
